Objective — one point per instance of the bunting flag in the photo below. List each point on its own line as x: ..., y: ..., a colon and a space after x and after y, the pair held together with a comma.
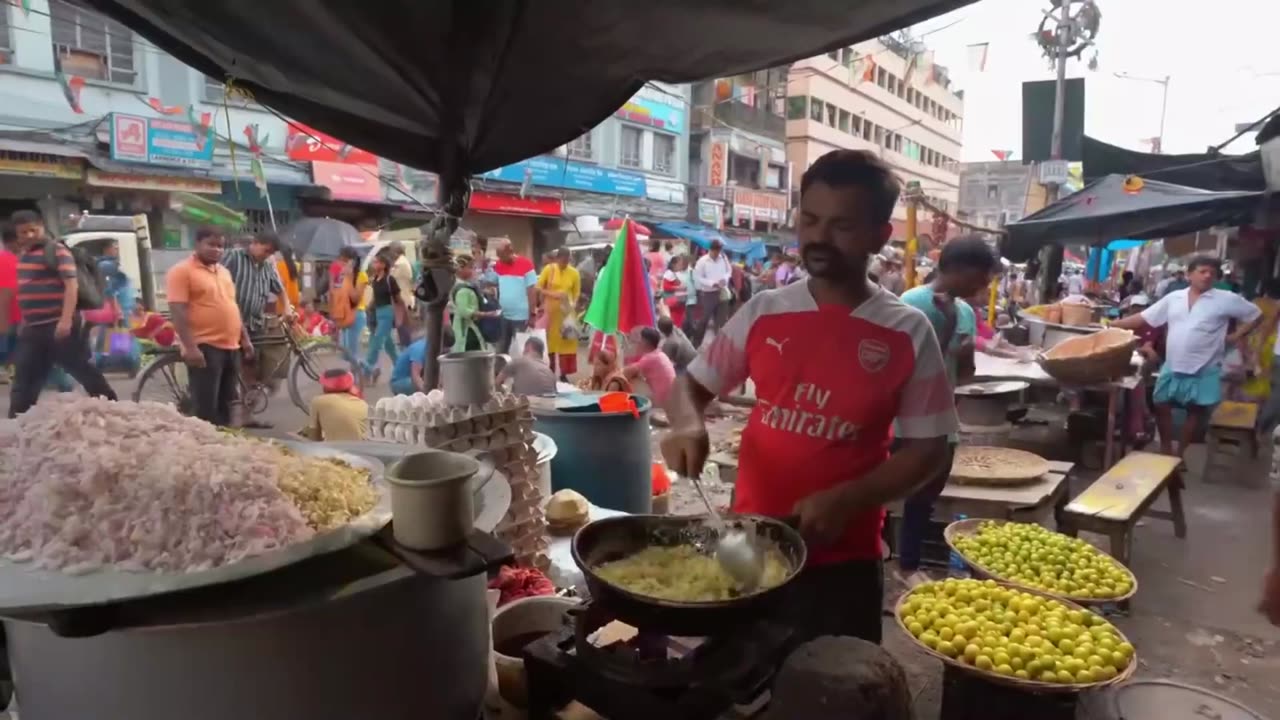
x: 978, y: 56
x: 869, y: 71
x: 155, y: 104
x: 1154, y: 142
x: 71, y: 85
x: 259, y: 175
x: 1002, y: 155
x: 913, y: 62
x: 25, y: 5
x: 622, y: 299
x: 201, y: 122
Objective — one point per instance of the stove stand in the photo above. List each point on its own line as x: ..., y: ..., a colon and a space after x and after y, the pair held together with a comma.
x: 650, y: 675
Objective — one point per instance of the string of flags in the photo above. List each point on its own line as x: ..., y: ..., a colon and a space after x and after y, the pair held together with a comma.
x: 1002, y: 155
x: 978, y: 53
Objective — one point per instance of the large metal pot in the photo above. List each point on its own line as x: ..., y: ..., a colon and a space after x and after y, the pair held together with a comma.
x: 353, y: 634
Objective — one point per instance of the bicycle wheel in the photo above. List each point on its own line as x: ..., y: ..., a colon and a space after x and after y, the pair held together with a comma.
x: 164, y: 380
x: 309, y: 365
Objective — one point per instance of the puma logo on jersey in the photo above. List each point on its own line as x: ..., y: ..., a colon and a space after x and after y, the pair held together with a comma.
x: 776, y: 344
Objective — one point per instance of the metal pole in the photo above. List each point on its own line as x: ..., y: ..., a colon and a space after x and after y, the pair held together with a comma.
x: 1051, y: 255
x: 1164, y: 106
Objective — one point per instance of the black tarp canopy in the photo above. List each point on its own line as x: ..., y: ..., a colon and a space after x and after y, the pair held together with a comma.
x: 1105, y: 210
x: 1196, y: 170
x: 496, y: 80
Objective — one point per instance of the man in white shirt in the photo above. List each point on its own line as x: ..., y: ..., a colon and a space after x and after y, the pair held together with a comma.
x: 711, y: 275
x: 1075, y: 284
x: 1196, y: 340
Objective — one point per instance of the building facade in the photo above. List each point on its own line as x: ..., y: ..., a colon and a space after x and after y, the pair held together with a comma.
x: 884, y: 96
x: 634, y: 163
x: 995, y: 193
x: 738, y: 152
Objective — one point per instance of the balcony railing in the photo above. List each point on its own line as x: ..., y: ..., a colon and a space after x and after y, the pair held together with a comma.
x: 742, y: 117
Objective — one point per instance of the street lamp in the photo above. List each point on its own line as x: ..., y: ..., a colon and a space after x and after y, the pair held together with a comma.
x: 1164, y: 101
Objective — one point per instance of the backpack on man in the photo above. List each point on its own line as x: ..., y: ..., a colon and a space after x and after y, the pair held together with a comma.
x: 89, y: 283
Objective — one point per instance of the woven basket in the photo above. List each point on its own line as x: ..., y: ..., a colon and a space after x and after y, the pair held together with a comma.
x: 965, y: 528
x: 1016, y: 682
x: 1077, y: 314
x: 1090, y: 359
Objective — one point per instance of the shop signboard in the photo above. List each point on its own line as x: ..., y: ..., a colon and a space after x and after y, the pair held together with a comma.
x: 759, y: 206
x: 718, y: 168
x: 550, y: 171
x: 307, y: 144
x: 711, y: 212
x: 423, y: 187
x: 348, y: 182
x: 504, y: 204
x: 656, y: 109
x: 160, y: 141
x: 40, y: 165
x: 158, y: 183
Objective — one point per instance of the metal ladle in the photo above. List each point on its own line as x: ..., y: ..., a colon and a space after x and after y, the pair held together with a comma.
x: 736, y: 550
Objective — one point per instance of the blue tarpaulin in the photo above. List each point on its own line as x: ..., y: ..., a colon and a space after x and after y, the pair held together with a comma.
x: 702, y: 235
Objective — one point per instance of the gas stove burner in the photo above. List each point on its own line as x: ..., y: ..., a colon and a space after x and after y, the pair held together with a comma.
x: 624, y: 672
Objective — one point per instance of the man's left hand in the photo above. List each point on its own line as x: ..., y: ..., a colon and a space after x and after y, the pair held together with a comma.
x: 62, y: 329
x: 247, y: 350
x: 824, y: 516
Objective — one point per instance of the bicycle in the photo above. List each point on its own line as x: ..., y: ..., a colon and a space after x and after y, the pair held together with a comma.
x: 304, y: 364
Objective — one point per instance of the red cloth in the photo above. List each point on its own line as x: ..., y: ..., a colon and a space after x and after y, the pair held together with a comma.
x: 9, y: 281
x: 514, y: 583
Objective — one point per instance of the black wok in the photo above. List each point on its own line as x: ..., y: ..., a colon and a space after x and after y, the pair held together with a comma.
x: 614, y: 538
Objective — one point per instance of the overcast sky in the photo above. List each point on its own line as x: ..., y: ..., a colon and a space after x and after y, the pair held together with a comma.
x: 1222, y: 55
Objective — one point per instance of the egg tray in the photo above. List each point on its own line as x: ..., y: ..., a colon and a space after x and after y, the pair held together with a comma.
x: 965, y: 528
x: 1028, y: 684
x: 494, y: 430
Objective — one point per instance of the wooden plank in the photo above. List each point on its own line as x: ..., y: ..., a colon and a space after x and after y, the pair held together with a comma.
x: 1235, y: 415
x: 1123, y: 490
x: 1017, y: 496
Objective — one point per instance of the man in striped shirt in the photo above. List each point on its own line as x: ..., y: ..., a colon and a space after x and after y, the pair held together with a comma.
x: 256, y: 278
x: 51, y: 332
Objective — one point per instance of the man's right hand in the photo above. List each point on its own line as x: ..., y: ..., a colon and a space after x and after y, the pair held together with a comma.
x: 685, y: 451
x: 193, y: 357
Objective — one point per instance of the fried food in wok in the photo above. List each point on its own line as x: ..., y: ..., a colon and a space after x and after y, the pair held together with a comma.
x: 681, y: 573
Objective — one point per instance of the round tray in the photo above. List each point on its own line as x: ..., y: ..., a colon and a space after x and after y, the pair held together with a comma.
x: 1017, y: 682
x: 964, y: 528
x: 1031, y: 467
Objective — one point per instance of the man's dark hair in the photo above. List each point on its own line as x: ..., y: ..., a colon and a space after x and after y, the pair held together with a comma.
x: 268, y: 238
x: 716, y: 245
x: 1203, y: 260
x: 969, y: 252
x: 25, y: 217
x: 1126, y: 276
x: 482, y: 242
x: 665, y: 326
x: 535, y: 344
x: 346, y: 252
x: 655, y: 245
x: 857, y: 168
x: 650, y: 336
x: 207, y: 231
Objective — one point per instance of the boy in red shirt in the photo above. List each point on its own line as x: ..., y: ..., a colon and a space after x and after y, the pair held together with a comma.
x: 835, y: 360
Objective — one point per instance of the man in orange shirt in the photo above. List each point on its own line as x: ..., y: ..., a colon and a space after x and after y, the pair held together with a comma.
x: 202, y: 301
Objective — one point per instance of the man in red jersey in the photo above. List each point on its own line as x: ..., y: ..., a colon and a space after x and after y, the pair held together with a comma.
x: 835, y: 360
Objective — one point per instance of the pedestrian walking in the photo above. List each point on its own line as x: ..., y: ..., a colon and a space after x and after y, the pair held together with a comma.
x: 51, y: 332
x: 388, y: 312
x: 516, y: 292
x: 711, y: 275
x: 1197, y: 318
x: 211, y: 333
x: 560, y: 285
x: 346, y: 301
x: 402, y: 271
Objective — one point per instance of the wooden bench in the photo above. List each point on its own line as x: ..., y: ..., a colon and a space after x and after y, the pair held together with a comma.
x: 1115, y: 502
x: 1231, y: 431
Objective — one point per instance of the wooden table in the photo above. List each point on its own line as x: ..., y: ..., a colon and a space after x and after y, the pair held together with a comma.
x: 988, y: 367
x: 1024, y: 502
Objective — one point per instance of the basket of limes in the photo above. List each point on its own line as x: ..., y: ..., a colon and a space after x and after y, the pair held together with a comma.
x: 1036, y: 558
x: 1015, y: 637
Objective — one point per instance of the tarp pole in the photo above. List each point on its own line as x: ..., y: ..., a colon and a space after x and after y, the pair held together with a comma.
x: 913, y: 240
